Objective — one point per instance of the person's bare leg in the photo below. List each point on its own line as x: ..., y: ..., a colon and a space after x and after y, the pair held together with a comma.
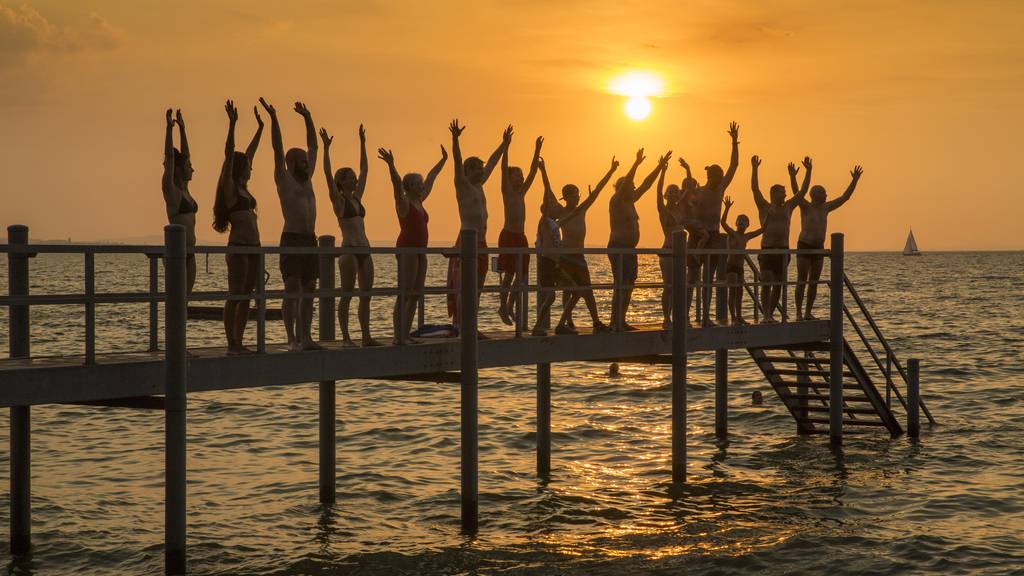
x: 547, y: 298
x: 666, y: 293
x: 563, y: 322
x: 418, y: 272
x: 190, y: 268
x: 706, y: 280
x: 721, y: 293
x: 229, y: 323
x: 365, y: 285
x: 627, y: 296
x: 766, y: 295
x: 307, y: 317
x: 347, y: 266
x: 397, y: 324
x: 692, y: 277
x: 803, y: 271
x: 506, y: 283
x: 290, y: 310
x: 812, y: 287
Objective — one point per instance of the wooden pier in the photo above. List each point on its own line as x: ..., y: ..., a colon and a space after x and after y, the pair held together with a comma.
x: 810, y: 364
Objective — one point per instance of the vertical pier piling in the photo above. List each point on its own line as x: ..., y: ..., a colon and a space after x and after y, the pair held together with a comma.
x: 469, y: 379
x: 175, y: 385
x: 543, y: 396
x: 913, y: 398
x: 328, y: 398
x: 679, y: 322
x: 835, y: 397
x: 21, y: 416
x: 722, y: 393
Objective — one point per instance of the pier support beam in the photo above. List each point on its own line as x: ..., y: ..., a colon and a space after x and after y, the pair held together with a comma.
x: 469, y: 380
x: 175, y: 386
x: 722, y: 394
x: 328, y: 398
x: 913, y: 398
x: 544, y: 421
x: 21, y: 416
x: 679, y: 321
x: 835, y: 397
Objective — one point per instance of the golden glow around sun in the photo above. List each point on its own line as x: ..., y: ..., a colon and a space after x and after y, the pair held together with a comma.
x: 638, y: 86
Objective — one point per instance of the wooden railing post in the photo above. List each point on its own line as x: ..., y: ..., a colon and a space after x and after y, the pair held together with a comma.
x: 261, y: 305
x: 21, y: 416
x: 835, y: 398
x: 913, y: 398
x: 679, y: 321
x: 543, y: 396
x: 328, y: 399
x: 154, y: 305
x: 469, y: 380
x: 90, y: 308
x: 175, y: 386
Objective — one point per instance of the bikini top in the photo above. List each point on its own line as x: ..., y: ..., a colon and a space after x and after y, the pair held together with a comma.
x: 352, y: 209
x: 243, y: 203
x: 187, y: 205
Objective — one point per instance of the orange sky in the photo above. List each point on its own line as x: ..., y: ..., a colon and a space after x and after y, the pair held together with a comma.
x: 926, y: 95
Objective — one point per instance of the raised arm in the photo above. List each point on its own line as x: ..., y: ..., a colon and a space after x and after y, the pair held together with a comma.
x: 800, y: 196
x: 734, y: 159
x: 311, y: 141
x: 227, y: 168
x: 428, y: 184
x: 725, y: 216
x: 759, y: 200
x: 250, y: 152
x: 168, y: 179
x: 460, y: 170
x: 636, y: 164
x: 649, y: 181
x: 549, y: 194
x: 533, y: 165
x: 686, y: 167
x: 661, y: 192
x: 181, y: 133
x: 506, y: 139
x: 600, y: 185
x: 855, y: 177
x: 332, y: 186
x: 275, y: 139
x: 364, y: 166
x: 401, y: 202
x: 505, y: 184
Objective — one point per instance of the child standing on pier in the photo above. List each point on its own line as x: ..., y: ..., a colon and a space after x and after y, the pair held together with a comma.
x: 734, y: 266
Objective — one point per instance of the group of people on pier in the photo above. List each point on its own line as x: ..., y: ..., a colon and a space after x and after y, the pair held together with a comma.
x: 690, y: 206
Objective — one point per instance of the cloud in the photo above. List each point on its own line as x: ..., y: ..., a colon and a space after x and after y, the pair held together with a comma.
x: 25, y: 32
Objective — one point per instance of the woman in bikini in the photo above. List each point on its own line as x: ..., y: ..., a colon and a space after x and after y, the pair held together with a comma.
x: 181, y: 207
x: 346, y: 191
x: 410, y: 192
x: 235, y: 208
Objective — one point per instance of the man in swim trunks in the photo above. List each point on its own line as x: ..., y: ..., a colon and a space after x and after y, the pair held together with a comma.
x: 813, y: 228
x: 775, y: 217
x: 470, y: 177
x: 513, y: 235
x: 292, y: 174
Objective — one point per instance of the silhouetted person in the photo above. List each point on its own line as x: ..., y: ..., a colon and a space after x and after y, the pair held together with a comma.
x: 513, y: 234
x: 410, y: 192
x: 709, y: 214
x: 687, y: 212
x: 669, y: 202
x: 293, y: 176
x: 470, y: 177
x: 346, y: 192
x: 572, y: 219
x: 736, y: 263
x: 775, y: 217
x: 813, y: 228
x: 235, y: 209
x: 549, y: 273
x: 625, y: 233
x: 181, y: 207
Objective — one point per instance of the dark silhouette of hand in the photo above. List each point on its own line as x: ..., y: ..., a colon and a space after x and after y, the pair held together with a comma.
x: 266, y: 106
x: 793, y: 169
x: 327, y: 138
x: 301, y: 109
x: 807, y: 162
x: 455, y: 129
x: 734, y: 132
x: 229, y: 107
x: 362, y: 134
x: 385, y: 155
x: 256, y: 113
x: 856, y: 172
x: 755, y: 161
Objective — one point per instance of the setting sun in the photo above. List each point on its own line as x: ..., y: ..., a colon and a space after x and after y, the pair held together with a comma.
x: 638, y: 107
x: 638, y: 86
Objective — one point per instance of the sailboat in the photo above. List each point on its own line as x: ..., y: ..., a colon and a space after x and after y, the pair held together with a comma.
x: 911, y: 248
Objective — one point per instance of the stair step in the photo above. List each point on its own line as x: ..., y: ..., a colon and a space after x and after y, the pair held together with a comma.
x: 805, y: 347
x: 845, y: 410
x: 822, y: 397
x: 818, y: 385
x: 845, y: 422
x: 796, y: 360
x: 795, y: 372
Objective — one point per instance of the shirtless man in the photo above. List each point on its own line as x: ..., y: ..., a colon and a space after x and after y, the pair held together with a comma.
x: 624, y: 225
x: 736, y: 263
x: 292, y: 174
x: 572, y: 219
x: 513, y: 235
x: 709, y: 214
x: 813, y: 226
x: 470, y: 177
x: 775, y: 217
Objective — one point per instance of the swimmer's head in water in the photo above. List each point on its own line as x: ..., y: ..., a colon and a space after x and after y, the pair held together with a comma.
x: 474, y: 168
x: 715, y: 175
x: 777, y: 194
x: 742, y: 222
x: 673, y: 194
x: 571, y: 195
x: 818, y: 193
x: 345, y: 179
x: 412, y: 183
x: 298, y: 163
x: 182, y: 167
x: 240, y: 169
x: 515, y: 177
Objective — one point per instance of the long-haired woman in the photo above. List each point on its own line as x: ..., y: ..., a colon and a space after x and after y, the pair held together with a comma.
x: 181, y: 207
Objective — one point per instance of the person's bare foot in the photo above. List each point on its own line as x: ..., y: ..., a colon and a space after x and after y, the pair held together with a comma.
x: 503, y: 314
x: 368, y: 341
x: 482, y: 336
x: 565, y: 330
x: 628, y: 328
x: 740, y: 321
x: 799, y: 316
x: 708, y: 323
x: 538, y: 331
x: 769, y: 320
x: 599, y: 327
x: 348, y: 343
x: 238, y: 350
x: 311, y: 345
x: 808, y: 317
x: 294, y: 347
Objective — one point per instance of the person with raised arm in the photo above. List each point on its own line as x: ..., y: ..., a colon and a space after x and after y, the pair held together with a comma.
x: 470, y: 177
x: 572, y: 223
x: 513, y: 235
x: 775, y: 217
x: 346, y: 192
x: 686, y: 214
x: 709, y: 212
x: 293, y: 175
x: 235, y: 208
x: 550, y: 276
x: 624, y: 225
x: 181, y: 207
x: 813, y: 228
x: 671, y: 218
x: 410, y: 192
x: 735, y: 264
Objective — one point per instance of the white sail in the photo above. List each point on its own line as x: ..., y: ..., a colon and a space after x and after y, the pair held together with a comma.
x: 911, y: 247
